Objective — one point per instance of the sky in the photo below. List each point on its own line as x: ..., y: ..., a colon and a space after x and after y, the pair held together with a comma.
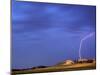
x: 48, y: 33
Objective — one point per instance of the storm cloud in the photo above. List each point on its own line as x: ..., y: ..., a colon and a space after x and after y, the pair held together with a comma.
x: 48, y: 33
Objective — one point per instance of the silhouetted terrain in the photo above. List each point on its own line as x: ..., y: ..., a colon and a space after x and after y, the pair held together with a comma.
x: 67, y: 65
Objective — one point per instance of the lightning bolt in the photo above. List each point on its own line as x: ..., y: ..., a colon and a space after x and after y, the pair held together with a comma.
x: 83, y: 39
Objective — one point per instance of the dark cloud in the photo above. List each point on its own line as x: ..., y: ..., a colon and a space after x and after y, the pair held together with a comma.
x: 43, y: 31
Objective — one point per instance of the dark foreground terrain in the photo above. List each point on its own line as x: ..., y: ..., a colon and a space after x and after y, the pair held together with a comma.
x: 72, y: 67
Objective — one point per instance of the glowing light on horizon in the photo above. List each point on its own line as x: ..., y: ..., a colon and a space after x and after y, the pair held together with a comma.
x: 83, y: 39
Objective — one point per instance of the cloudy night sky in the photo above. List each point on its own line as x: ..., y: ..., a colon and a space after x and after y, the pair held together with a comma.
x: 46, y: 34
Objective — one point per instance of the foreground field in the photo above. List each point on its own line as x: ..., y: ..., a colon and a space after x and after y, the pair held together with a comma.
x: 79, y: 66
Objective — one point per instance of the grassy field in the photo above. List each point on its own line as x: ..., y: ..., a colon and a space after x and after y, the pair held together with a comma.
x: 73, y: 67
